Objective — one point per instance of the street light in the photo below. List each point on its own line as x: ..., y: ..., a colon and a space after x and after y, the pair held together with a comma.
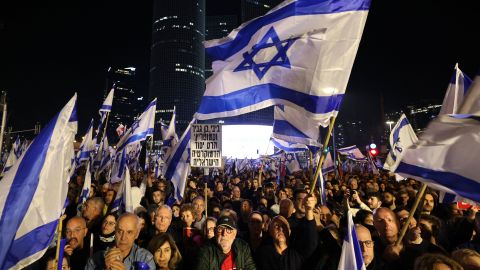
x: 390, y: 123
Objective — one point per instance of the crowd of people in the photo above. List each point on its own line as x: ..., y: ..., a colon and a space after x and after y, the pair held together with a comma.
x: 252, y: 221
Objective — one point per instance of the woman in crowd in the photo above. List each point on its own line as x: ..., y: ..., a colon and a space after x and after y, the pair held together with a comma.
x: 165, y: 252
x: 106, y: 238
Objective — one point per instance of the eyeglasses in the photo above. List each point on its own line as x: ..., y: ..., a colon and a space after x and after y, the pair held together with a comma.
x: 221, y: 229
x: 110, y: 223
x: 76, y: 230
x: 368, y: 243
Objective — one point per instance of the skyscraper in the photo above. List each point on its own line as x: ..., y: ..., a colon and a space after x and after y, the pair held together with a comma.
x: 128, y: 101
x: 177, y: 60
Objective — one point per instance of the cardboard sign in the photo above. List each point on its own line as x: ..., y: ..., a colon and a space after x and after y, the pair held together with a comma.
x: 206, y: 146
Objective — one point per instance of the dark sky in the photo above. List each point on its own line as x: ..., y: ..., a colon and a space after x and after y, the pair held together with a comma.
x: 50, y: 50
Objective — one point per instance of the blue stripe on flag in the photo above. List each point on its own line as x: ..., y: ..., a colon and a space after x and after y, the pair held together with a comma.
x: 136, y: 137
x: 177, y: 156
x: 262, y: 92
x: 30, y: 244
x: 285, y: 128
x: 24, y: 186
x: 343, y: 150
x: 298, y: 8
x: 356, y: 248
x: 106, y: 107
x: 73, y: 116
x: 463, y: 186
x: 287, y: 148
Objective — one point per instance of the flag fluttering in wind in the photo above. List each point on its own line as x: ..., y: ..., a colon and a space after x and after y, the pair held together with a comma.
x: 457, y: 89
x: 291, y: 126
x: 87, y: 147
x: 288, y: 146
x: 446, y: 155
x: 34, y: 191
x: 178, y: 167
x: 87, y: 186
x: 169, y: 137
x: 14, y: 155
x: 401, y: 137
x: 299, y: 54
x: 123, y: 200
x: 352, y: 152
x: 106, y: 108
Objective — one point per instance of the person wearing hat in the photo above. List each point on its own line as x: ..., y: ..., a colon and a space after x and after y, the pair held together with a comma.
x: 283, y: 254
x: 225, y: 251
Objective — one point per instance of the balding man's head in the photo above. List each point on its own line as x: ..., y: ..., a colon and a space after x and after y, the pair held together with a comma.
x: 127, y: 230
x: 366, y: 244
x: 386, y: 224
x: 76, y: 230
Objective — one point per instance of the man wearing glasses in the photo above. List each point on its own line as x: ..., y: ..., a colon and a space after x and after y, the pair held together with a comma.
x: 225, y: 251
x: 366, y: 245
x: 76, y: 248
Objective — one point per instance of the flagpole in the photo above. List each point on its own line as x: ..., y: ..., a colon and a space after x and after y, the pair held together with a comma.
x: 310, y: 167
x: 412, y: 212
x: 59, y: 236
x: 324, y: 154
x: 105, y: 128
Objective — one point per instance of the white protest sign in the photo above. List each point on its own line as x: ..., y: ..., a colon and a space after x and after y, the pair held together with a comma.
x: 206, y: 146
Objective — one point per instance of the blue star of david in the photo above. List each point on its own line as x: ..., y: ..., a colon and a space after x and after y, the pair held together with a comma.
x: 280, y: 59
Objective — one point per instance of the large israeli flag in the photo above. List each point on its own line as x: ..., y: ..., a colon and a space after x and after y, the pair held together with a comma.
x: 299, y: 54
x: 178, y: 167
x: 34, y: 191
x: 292, y: 126
x: 402, y: 136
x: 14, y: 155
x: 446, y: 155
x: 141, y: 128
x: 352, y: 152
x: 457, y: 89
x: 351, y: 257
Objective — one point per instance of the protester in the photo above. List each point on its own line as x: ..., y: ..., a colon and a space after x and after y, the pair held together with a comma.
x: 126, y: 253
x: 77, y: 246
x: 225, y: 251
x: 165, y: 252
x: 106, y: 239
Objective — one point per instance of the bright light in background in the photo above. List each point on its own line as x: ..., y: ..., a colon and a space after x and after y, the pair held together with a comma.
x: 240, y: 141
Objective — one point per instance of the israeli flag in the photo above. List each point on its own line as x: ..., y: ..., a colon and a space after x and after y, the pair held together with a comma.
x: 352, y: 152
x: 292, y: 126
x: 102, y: 157
x: 288, y: 146
x: 141, y: 128
x: 178, y: 167
x: 299, y: 54
x: 87, y: 186
x: 457, y: 89
x: 402, y: 136
x: 87, y: 147
x: 123, y: 200
x: 105, y: 108
x: 328, y: 165
x: 14, y: 155
x: 291, y: 162
x: 446, y: 155
x: 118, y: 166
x: 351, y: 257
x: 170, y: 138
x: 34, y: 191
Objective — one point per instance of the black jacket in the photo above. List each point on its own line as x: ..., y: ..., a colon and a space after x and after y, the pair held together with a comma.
x: 211, y: 256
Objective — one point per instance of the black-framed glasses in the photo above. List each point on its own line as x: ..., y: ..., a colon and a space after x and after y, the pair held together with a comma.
x: 368, y: 243
x: 221, y: 229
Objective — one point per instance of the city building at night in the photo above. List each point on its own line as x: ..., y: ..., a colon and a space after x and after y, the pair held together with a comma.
x: 177, y: 61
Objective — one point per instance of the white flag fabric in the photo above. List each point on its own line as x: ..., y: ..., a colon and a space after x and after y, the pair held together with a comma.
x: 291, y: 162
x: 34, y: 192
x: 299, y: 54
x: 288, y: 146
x: 107, y: 104
x: 352, y: 152
x: 328, y: 165
x: 102, y: 158
x: 292, y: 126
x: 170, y: 138
x: 401, y: 137
x: 446, y: 155
x: 178, y: 167
x: 123, y: 200
x: 14, y: 155
x: 87, y: 186
x: 351, y: 257
x: 457, y: 88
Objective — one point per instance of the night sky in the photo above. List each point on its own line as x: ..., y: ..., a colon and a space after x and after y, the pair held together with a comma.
x: 49, y: 51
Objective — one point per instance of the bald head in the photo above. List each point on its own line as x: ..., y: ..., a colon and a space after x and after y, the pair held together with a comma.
x: 75, y: 231
x: 386, y: 224
x: 366, y: 244
x: 127, y: 230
